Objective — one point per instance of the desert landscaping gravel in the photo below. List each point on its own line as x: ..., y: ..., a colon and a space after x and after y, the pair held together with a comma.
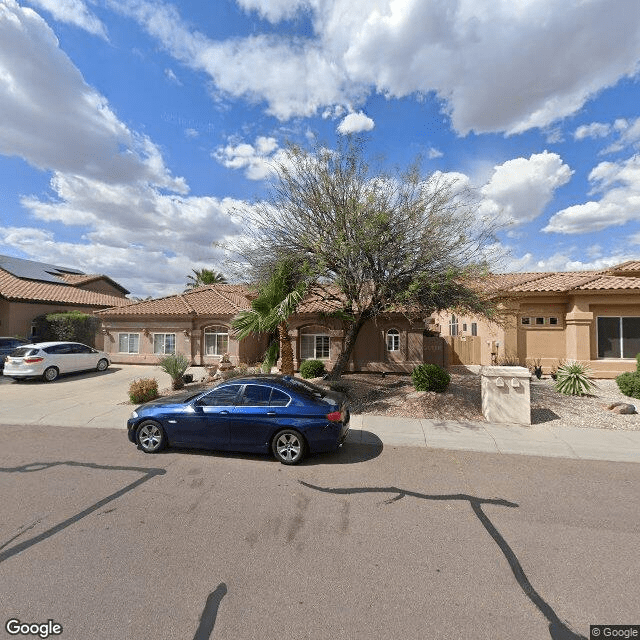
x: 394, y: 395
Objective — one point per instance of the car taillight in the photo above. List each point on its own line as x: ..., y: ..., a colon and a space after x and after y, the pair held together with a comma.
x: 33, y: 360
x: 334, y: 416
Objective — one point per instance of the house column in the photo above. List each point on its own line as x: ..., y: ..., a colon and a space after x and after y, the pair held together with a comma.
x: 509, y: 310
x: 578, y: 331
x: 295, y: 346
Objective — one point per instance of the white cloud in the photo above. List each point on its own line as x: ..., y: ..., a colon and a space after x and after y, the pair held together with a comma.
x: 593, y: 130
x: 355, y: 123
x: 73, y: 12
x: 629, y: 135
x: 619, y: 184
x: 563, y: 261
x: 275, y: 10
x: 520, y: 189
x: 487, y: 61
x: 434, y: 153
x: 50, y: 117
x: 172, y: 77
x: 256, y: 159
x: 128, y: 225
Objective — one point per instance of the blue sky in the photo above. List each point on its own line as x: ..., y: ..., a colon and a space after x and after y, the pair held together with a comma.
x: 132, y: 131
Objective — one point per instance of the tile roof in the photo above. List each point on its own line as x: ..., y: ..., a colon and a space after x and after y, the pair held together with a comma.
x: 621, y: 277
x: 630, y: 267
x: 19, y: 289
x: 213, y: 299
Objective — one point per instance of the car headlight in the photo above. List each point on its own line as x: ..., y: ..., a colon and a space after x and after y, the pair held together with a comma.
x: 134, y: 414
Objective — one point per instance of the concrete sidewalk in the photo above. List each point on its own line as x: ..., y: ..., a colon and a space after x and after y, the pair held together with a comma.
x: 534, y: 440
x: 99, y: 400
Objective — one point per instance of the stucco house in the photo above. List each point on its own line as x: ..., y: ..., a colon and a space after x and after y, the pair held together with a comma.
x: 197, y: 323
x: 591, y: 316
x: 29, y: 289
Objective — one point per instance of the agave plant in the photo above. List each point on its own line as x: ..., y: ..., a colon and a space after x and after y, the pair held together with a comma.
x: 574, y: 379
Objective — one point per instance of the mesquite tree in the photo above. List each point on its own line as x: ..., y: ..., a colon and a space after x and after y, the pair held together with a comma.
x: 376, y: 243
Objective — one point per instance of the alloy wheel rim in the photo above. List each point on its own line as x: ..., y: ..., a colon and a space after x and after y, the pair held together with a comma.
x: 288, y: 447
x: 150, y: 437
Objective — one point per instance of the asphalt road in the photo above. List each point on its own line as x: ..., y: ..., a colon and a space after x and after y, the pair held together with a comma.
x: 398, y: 543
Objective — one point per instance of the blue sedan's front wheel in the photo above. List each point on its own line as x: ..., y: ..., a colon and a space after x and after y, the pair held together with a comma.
x: 151, y: 437
x: 288, y: 446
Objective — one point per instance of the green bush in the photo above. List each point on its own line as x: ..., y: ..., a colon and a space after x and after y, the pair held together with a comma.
x: 573, y: 379
x: 143, y: 390
x: 73, y: 326
x: 175, y: 365
x: 312, y: 369
x: 430, y: 377
x: 629, y: 383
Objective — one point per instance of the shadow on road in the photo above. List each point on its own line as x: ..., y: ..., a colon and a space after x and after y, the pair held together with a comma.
x: 147, y: 474
x: 558, y: 629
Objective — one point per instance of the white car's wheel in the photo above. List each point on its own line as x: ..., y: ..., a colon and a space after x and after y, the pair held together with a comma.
x: 103, y: 363
x: 50, y: 374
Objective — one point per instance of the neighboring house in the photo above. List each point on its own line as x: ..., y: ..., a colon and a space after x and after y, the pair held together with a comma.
x: 29, y: 289
x: 591, y: 316
x: 197, y: 323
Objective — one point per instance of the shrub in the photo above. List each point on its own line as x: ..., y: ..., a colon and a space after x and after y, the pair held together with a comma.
x: 143, y: 390
x: 573, y: 379
x: 74, y: 326
x: 175, y: 365
x: 312, y: 369
x: 430, y: 377
x: 629, y: 383
x: 509, y: 360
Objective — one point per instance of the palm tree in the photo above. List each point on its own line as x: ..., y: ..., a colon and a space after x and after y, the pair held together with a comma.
x: 201, y: 277
x: 277, y: 300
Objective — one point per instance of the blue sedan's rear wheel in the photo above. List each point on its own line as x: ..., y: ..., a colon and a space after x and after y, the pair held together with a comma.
x: 151, y: 437
x: 288, y: 446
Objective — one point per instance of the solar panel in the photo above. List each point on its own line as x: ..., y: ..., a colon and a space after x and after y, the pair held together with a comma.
x: 32, y: 270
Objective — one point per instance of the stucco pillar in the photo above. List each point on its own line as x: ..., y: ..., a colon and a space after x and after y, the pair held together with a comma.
x: 578, y: 331
x: 509, y: 311
x: 294, y: 334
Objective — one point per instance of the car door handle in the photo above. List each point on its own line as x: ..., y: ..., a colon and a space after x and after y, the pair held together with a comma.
x: 224, y: 413
x: 271, y: 413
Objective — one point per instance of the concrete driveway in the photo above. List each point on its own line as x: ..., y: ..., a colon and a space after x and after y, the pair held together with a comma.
x: 91, y: 399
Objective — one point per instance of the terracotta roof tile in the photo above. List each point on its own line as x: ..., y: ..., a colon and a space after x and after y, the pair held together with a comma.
x: 561, y: 281
x: 217, y: 299
x: 629, y: 267
x: 19, y: 289
x: 607, y: 282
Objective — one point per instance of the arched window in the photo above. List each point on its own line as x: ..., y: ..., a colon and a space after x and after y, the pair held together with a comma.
x: 216, y: 340
x: 393, y: 340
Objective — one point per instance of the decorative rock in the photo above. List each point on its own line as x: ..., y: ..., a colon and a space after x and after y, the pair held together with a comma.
x: 621, y: 408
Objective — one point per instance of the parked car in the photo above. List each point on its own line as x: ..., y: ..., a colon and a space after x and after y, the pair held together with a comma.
x: 7, y: 345
x: 50, y: 359
x: 260, y: 414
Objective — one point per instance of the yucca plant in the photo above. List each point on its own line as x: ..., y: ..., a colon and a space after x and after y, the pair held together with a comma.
x: 574, y: 379
x: 175, y: 365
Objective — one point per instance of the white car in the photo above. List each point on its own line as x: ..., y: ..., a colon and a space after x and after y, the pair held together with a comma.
x: 50, y: 359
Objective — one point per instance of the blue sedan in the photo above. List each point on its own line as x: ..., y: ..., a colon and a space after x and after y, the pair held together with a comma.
x: 279, y: 414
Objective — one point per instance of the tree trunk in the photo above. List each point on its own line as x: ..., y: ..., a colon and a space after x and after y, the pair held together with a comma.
x: 349, y: 343
x: 286, y: 350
